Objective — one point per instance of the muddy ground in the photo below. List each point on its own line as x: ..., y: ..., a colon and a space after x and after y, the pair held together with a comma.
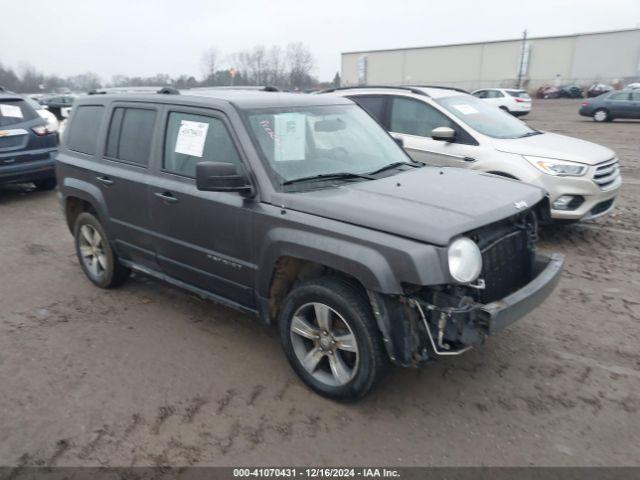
x: 151, y: 375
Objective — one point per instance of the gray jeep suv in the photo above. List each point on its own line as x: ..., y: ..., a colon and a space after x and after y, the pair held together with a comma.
x: 302, y: 210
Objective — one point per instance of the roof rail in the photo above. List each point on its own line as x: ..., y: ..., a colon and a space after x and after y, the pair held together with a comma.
x: 412, y: 89
x: 442, y: 87
x: 168, y: 91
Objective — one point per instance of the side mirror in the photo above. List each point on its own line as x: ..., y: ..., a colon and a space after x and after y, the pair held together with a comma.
x: 221, y: 177
x: 399, y: 141
x: 446, y: 134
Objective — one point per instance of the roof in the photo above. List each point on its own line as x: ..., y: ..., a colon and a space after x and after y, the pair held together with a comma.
x: 429, y: 91
x: 243, y: 99
x: 519, y: 39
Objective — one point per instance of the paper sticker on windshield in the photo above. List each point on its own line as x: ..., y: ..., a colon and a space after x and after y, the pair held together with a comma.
x: 465, y: 109
x: 290, y: 137
x: 191, y: 138
x: 11, y: 111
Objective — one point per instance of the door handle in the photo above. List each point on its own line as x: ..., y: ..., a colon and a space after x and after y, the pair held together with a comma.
x: 166, y: 197
x: 468, y: 159
x: 104, y: 180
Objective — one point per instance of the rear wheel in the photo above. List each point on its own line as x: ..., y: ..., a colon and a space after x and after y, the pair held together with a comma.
x: 505, y: 109
x: 47, y: 184
x: 331, y: 339
x: 98, y: 260
x: 601, y: 115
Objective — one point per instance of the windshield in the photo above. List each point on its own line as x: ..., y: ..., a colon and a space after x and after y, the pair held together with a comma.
x: 301, y: 142
x: 484, y: 117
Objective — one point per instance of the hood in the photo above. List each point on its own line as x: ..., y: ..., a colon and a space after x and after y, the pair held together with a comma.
x: 560, y: 147
x: 428, y: 204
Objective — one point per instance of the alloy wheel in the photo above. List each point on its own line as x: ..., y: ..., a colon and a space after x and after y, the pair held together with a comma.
x: 92, y: 251
x: 324, y: 344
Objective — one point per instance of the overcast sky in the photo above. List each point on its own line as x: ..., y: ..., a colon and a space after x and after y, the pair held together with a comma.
x: 143, y: 38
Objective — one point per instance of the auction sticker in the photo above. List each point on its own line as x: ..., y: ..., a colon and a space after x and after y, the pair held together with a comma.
x: 191, y: 138
x: 11, y: 111
x: 465, y: 109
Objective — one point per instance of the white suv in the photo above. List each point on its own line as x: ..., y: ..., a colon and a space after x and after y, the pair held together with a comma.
x: 449, y: 127
x: 516, y: 102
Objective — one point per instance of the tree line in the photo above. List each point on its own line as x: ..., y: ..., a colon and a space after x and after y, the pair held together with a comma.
x: 289, y: 68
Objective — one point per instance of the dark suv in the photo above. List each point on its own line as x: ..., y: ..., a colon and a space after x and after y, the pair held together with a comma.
x: 302, y: 210
x: 27, y: 146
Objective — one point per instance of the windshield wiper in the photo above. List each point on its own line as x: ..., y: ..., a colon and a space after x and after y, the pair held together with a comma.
x: 397, y: 164
x: 329, y: 176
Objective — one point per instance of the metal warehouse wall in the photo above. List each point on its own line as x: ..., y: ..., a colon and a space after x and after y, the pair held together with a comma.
x: 582, y: 59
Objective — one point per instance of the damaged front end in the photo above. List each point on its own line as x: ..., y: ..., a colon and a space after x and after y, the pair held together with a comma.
x: 441, y: 320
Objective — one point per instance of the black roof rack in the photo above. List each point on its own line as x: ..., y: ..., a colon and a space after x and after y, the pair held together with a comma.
x: 168, y: 91
x: 412, y: 89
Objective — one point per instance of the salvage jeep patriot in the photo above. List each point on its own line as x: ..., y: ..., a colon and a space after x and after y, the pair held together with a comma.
x: 302, y: 210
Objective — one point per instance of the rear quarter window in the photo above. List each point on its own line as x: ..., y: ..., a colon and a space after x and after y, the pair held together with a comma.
x: 84, y: 129
x: 15, y: 111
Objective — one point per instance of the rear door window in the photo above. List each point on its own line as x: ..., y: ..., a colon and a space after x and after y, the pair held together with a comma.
x: 191, y: 139
x: 84, y: 128
x: 130, y: 135
x: 15, y: 111
x: 373, y: 104
x: 620, y: 96
x: 635, y: 96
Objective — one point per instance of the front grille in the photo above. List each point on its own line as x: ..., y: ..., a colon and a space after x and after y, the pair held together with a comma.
x: 507, y: 265
x: 606, y: 173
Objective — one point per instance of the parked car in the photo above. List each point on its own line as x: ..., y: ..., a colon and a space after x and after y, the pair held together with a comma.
x: 571, y: 91
x: 616, y: 104
x: 28, y: 144
x: 548, y: 91
x: 598, y: 89
x: 57, y: 103
x: 516, y: 102
x: 302, y: 210
x: 444, y: 126
x: 53, y: 124
x: 633, y: 86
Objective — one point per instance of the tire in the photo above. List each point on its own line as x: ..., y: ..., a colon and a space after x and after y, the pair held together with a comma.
x: 505, y: 109
x: 97, y: 259
x: 601, y: 115
x: 344, y: 374
x: 46, y: 184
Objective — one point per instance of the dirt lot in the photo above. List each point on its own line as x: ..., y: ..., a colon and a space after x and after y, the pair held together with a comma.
x: 151, y: 375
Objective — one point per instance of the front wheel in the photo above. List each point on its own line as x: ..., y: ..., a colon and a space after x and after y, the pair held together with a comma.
x: 97, y: 258
x: 331, y: 339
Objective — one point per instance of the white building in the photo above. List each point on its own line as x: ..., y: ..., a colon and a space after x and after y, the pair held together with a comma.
x: 582, y: 58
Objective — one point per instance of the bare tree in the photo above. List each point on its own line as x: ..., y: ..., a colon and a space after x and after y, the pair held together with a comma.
x: 210, y: 60
x: 275, y: 67
x: 300, y: 64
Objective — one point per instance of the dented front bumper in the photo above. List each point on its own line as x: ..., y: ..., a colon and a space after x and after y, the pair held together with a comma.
x: 423, y: 326
x: 499, y: 314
